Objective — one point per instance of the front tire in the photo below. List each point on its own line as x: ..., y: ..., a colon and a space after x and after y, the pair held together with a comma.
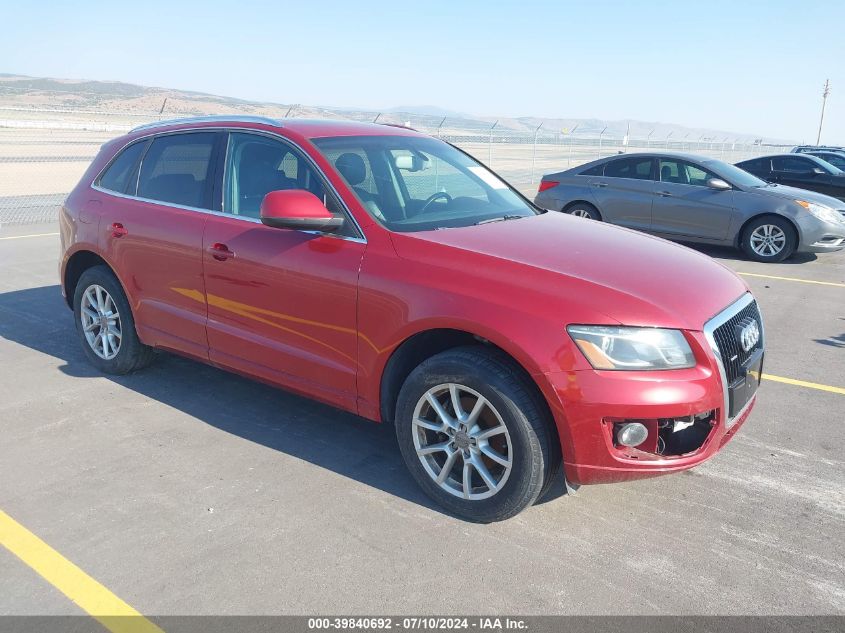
x: 105, y: 324
x: 769, y: 239
x: 475, y: 434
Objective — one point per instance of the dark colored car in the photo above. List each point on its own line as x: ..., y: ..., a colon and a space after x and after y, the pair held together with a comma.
x: 391, y: 275
x: 697, y: 199
x: 809, y: 149
x: 804, y: 171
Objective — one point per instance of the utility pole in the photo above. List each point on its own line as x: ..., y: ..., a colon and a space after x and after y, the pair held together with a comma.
x: 824, y: 103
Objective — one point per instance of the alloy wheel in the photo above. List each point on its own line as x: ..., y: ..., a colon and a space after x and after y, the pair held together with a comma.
x: 581, y: 213
x: 767, y: 240
x: 101, y: 322
x: 462, y: 441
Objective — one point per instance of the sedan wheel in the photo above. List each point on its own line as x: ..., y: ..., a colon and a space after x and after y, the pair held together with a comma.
x: 101, y: 322
x: 462, y: 441
x: 767, y: 240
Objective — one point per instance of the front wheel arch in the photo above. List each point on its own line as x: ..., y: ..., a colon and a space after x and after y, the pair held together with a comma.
x: 741, y: 233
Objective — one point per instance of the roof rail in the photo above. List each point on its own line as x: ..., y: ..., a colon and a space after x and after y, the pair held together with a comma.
x: 238, y: 118
x: 399, y: 125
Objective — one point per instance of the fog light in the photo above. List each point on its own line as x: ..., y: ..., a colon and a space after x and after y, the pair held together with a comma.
x: 632, y: 434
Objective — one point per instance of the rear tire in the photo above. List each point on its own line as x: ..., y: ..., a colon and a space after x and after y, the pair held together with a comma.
x: 769, y: 239
x: 584, y: 210
x: 500, y: 459
x: 105, y: 324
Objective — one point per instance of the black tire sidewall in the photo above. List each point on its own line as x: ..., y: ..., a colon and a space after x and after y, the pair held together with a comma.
x: 511, y: 399
x: 788, y: 230
x: 131, y: 348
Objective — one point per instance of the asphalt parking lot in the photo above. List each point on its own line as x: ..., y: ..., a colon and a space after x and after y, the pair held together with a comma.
x: 187, y: 490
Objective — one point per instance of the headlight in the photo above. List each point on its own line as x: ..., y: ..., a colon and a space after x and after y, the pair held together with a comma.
x: 611, y: 347
x: 821, y: 211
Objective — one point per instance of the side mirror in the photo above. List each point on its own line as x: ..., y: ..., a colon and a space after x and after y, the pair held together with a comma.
x: 817, y: 171
x: 718, y: 184
x: 297, y: 209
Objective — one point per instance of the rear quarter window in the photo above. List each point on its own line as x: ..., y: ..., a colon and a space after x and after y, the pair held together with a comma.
x: 120, y: 175
x: 595, y: 170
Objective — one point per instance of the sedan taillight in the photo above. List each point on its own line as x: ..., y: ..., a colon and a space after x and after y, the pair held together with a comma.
x: 547, y: 184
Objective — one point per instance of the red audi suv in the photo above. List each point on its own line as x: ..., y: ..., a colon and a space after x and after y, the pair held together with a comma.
x: 390, y: 274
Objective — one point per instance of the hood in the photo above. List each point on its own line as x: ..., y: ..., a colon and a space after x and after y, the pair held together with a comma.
x: 794, y: 193
x: 582, y: 269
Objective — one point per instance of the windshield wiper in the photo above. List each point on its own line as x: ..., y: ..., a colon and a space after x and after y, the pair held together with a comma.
x: 501, y: 219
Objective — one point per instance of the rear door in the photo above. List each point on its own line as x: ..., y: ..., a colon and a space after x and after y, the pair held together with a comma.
x: 625, y: 193
x: 685, y: 206
x: 152, y: 234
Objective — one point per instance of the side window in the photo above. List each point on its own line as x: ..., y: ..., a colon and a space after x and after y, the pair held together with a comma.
x: 257, y: 165
x: 596, y: 170
x: 636, y: 168
x: 758, y: 165
x: 696, y: 175
x: 176, y: 169
x: 683, y: 173
x: 793, y: 164
x: 119, y: 175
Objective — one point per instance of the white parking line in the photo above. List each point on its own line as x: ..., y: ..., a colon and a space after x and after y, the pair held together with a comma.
x: 20, y: 237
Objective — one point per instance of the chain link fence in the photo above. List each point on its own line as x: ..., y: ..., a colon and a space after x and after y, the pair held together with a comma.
x: 43, y: 153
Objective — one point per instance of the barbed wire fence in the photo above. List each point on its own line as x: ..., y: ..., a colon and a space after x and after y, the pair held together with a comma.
x: 44, y: 152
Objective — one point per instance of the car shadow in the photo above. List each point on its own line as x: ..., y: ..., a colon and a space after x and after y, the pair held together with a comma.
x: 327, y: 437
x: 727, y: 252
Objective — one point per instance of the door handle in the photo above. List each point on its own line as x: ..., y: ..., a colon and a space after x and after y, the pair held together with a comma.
x: 117, y: 230
x: 220, y: 252
x: 599, y: 184
x: 664, y: 194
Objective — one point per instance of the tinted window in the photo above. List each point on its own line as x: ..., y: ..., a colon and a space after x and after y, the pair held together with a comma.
x: 794, y: 164
x: 257, y: 165
x: 118, y: 176
x: 758, y: 165
x: 176, y: 169
x: 596, y: 170
x: 684, y: 173
x: 638, y: 168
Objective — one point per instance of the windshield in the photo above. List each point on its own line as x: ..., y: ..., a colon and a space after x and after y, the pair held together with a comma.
x: 410, y: 183
x: 736, y: 175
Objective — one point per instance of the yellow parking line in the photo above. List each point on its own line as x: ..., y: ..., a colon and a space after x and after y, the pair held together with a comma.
x: 803, y: 281
x: 20, y: 237
x: 92, y: 597
x: 804, y: 383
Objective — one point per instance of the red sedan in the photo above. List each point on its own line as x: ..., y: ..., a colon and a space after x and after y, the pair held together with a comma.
x: 389, y: 274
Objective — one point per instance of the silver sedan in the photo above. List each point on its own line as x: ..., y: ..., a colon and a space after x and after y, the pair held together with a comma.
x: 697, y: 199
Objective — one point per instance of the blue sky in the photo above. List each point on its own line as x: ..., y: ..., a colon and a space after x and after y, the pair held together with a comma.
x: 745, y: 66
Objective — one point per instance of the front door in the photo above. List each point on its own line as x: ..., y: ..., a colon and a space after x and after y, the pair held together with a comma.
x: 685, y: 206
x: 281, y: 303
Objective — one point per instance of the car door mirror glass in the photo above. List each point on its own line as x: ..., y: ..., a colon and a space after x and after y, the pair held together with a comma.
x: 297, y: 209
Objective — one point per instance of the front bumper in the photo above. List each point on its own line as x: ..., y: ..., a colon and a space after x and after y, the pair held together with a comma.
x: 690, y: 413
x: 820, y: 236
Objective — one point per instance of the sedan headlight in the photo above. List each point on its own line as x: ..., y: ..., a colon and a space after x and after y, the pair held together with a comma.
x: 822, y: 212
x: 633, y: 348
